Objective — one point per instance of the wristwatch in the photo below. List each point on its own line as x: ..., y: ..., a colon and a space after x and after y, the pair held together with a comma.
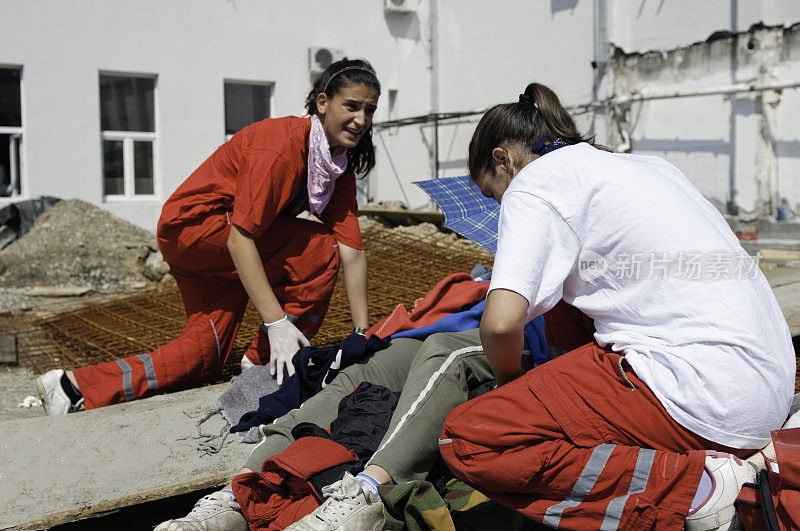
x: 359, y: 330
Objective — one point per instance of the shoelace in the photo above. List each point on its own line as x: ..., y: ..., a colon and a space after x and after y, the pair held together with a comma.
x: 332, y: 509
x: 209, y: 503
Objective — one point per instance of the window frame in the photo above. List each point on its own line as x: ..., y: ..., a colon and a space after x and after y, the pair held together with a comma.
x: 128, y: 138
x: 19, y: 134
x: 270, y: 84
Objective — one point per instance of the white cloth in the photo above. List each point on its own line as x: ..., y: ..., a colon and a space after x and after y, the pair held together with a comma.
x: 697, y: 321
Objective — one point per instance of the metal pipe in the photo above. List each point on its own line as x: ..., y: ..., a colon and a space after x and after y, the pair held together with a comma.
x: 433, y: 22
x: 620, y: 100
x: 736, y: 88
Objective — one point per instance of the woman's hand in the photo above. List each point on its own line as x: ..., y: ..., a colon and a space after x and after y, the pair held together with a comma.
x: 284, y: 342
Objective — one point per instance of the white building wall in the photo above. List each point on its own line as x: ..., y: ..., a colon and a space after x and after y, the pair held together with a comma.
x: 487, y: 53
x: 192, y: 46
x: 485, y: 57
x: 642, y: 25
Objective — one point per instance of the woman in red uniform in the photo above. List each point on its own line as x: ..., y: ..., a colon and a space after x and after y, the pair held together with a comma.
x: 230, y: 233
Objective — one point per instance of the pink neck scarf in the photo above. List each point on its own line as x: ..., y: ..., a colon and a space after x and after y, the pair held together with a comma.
x: 324, y: 167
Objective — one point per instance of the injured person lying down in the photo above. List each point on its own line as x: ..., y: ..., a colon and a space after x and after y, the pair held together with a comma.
x: 431, y: 371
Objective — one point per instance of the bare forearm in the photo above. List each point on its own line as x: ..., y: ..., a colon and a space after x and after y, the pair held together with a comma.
x: 503, y: 352
x: 502, y: 328
x: 354, y: 267
x: 252, y: 275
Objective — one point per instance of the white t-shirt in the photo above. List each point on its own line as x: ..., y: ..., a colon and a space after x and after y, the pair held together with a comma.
x: 629, y: 241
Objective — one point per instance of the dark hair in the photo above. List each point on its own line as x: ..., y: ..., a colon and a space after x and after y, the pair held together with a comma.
x: 538, y: 113
x: 338, y: 75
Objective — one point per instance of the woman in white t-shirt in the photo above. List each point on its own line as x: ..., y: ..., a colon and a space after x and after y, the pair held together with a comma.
x: 691, y: 364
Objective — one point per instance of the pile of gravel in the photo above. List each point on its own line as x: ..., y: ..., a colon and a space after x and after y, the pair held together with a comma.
x: 75, y: 243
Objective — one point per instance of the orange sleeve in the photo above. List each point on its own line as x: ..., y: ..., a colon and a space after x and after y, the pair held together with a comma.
x: 264, y: 186
x: 341, y: 213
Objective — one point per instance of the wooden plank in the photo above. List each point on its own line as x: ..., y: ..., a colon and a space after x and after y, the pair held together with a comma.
x: 779, y: 254
x: 186, y: 487
x: 8, y: 349
x: 58, y: 291
x: 400, y: 216
x: 66, y: 468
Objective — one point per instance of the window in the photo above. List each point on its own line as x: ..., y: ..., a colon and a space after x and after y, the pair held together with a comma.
x: 10, y: 131
x: 128, y: 131
x: 245, y: 103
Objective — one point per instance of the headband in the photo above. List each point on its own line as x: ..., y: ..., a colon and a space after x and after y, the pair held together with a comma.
x: 345, y: 69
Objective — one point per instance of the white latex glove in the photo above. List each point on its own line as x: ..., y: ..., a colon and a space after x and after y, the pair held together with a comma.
x: 284, y: 341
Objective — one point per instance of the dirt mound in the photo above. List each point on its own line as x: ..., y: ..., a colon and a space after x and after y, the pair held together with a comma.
x: 75, y: 243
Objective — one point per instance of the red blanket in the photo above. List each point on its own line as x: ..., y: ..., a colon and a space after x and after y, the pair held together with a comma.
x: 281, y: 494
x: 453, y: 294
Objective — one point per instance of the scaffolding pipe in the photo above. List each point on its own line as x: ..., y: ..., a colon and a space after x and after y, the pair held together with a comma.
x: 738, y: 88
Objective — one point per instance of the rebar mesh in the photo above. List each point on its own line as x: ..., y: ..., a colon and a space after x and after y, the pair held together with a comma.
x: 403, y: 266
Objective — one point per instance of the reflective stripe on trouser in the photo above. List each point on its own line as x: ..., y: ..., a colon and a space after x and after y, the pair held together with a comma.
x: 572, y: 445
x: 215, y: 302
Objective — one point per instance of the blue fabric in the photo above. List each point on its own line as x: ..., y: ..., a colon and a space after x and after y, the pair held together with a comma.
x: 534, y: 333
x: 541, y: 147
x: 471, y: 319
x: 312, y: 372
x: 466, y: 210
x: 457, y: 322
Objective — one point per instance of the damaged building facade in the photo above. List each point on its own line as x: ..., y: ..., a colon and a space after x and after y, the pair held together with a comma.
x: 116, y: 102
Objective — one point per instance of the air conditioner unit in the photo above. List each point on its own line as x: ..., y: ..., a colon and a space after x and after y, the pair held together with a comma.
x: 321, y: 57
x: 400, y: 6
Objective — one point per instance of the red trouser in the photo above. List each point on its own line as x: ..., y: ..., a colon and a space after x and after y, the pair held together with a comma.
x: 301, y: 261
x: 578, y: 443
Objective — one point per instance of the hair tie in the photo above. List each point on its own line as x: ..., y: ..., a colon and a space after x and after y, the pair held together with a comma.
x: 345, y: 69
x: 527, y: 100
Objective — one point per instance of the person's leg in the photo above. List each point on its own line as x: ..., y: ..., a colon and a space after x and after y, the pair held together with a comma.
x: 214, y: 308
x: 301, y: 259
x: 440, y: 375
x: 388, y: 367
x: 444, y: 370
x: 578, y: 442
x: 214, y: 301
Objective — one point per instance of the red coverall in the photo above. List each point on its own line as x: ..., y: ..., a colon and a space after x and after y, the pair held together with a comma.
x: 256, y: 181
x: 579, y: 442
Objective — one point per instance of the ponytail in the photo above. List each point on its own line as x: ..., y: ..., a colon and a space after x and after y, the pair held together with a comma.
x: 536, y: 121
x: 361, y: 159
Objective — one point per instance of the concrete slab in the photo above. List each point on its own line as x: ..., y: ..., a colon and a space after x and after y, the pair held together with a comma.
x: 60, y: 469
x: 785, y: 282
x: 772, y: 228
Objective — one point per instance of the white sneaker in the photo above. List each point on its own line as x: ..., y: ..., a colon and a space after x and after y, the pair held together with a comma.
x: 728, y: 474
x: 246, y: 363
x: 56, y: 401
x: 348, y: 507
x: 216, y: 512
